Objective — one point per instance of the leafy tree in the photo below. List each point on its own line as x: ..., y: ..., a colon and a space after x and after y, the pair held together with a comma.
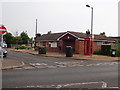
x: 8, y: 38
x: 30, y: 40
x: 117, y: 41
x: 103, y: 33
x: 118, y: 47
x: 24, y: 38
x: 49, y: 32
x: 17, y: 40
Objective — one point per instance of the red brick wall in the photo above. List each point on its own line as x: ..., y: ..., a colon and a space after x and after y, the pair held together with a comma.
x: 96, y: 46
x: 79, y: 47
x: 48, y: 46
x: 52, y: 49
x: 60, y: 44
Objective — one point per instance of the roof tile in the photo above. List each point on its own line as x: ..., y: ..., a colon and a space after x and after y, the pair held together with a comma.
x: 55, y: 36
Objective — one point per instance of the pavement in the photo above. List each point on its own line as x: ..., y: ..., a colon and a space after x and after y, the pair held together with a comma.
x: 9, y: 64
x: 75, y: 56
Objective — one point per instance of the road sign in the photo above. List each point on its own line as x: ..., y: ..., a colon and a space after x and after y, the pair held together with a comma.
x: 3, y: 29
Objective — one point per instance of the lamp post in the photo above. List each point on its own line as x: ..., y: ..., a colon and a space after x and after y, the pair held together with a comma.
x: 91, y: 24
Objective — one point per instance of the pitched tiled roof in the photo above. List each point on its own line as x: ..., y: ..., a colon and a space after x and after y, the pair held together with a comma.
x: 55, y: 36
x: 115, y: 37
x: 98, y: 37
x: 50, y: 37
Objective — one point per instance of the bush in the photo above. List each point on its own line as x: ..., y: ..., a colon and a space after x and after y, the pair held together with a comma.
x: 16, y: 48
x: 29, y: 48
x: 21, y: 47
x: 97, y: 52
x: 118, y: 52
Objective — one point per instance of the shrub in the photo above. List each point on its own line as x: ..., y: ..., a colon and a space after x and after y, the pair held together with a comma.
x: 16, y: 48
x: 29, y: 48
x: 97, y: 52
x: 118, y: 52
x: 21, y: 47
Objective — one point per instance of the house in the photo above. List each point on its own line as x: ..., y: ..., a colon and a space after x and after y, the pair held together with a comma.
x: 115, y: 37
x: 57, y: 42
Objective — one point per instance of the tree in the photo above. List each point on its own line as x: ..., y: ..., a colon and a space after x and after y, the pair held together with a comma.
x: 17, y: 40
x: 24, y: 38
x: 117, y: 41
x: 49, y: 32
x: 103, y: 33
x: 118, y: 47
x: 8, y: 38
x: 31, y: 39
x: 88, y: 33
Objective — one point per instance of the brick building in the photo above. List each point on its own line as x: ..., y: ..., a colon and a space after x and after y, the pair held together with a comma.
x: 57, y: 42
x: 115, y: 37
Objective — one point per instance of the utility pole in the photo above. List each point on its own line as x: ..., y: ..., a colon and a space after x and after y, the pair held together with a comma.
x: 17, y: 38
x: 36, y: 26
x: 91, y: 26
x: 1, y: 47
x: 35, y: 34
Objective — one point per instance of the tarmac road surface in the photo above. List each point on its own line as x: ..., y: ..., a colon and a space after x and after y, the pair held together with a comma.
x: 63, y: 74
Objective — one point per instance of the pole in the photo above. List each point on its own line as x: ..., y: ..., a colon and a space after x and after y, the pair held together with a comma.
x: 91, y: 45
x: 36, y: 26
x: 17, y: 39
x: 35, y: 34
x: 91, y: 28
x: 1, y: 46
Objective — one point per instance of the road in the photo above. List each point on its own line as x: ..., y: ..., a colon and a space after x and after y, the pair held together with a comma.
x: 49, y: 72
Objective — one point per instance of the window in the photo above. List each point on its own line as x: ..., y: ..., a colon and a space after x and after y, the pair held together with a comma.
x: 40, y: 43
x: 99, y: 43
x: 54, y: 44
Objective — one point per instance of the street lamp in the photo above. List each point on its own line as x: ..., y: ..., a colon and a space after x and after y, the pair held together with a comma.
x: 91, y: 24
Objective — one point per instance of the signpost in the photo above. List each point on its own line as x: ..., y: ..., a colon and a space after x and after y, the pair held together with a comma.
x: 3, y: 31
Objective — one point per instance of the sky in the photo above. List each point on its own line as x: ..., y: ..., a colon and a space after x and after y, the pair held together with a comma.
x: 59, y: 16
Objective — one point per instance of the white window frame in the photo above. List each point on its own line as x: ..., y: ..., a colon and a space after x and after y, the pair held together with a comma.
x: 54, y: 44
x: 99, y: 43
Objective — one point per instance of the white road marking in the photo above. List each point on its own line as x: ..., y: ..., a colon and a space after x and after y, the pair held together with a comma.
x: 104, y: 85
x: 85, y: 83
x: 89, y: 65
x: 38, y: 64
x: 113, y: 87
x: 59, y: 86
x: 51, y: 67
x: 28, y: 67
x: 66, y: 64
x: 98, y: 64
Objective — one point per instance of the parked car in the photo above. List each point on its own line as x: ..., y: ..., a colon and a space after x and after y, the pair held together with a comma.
x: 4, y: 44
x: 4, y: 52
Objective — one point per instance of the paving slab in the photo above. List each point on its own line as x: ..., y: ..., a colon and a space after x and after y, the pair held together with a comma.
x: 10, y: 64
